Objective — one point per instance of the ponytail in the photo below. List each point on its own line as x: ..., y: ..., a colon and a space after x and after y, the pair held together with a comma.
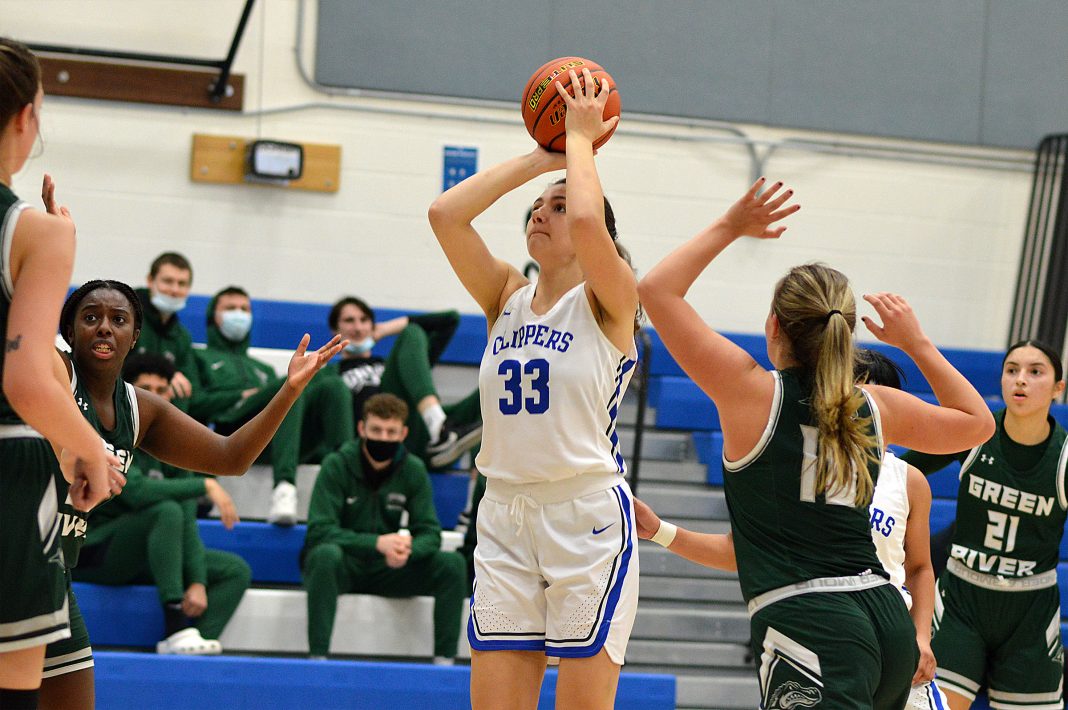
x: 817, y: 313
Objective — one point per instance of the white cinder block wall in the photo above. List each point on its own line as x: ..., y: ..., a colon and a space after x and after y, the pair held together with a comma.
x: 946, y: 237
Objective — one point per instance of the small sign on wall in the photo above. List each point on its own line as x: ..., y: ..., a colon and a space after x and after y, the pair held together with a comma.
x: 458, y: 162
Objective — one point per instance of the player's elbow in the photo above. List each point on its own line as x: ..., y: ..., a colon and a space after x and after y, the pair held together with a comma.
x: 441, y: 215
x: 22, y: 387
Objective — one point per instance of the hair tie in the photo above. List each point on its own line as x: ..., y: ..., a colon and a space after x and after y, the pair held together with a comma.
x: 827, y: 318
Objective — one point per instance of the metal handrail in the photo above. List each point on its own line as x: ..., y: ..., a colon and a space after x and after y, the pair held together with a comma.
x: 644, y: 362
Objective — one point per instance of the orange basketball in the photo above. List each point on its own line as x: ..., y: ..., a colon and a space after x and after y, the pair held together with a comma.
x: 544, y: 109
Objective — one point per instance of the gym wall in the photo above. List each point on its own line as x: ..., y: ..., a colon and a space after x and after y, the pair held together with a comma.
x: 945, y: 236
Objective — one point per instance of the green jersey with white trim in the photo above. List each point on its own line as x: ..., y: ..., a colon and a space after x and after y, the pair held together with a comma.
x: 784, y: 532
x: 11, y: 208
x: 1010, y: 521
x: 121, y: 441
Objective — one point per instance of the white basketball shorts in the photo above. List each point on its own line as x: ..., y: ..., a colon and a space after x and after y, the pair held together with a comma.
x: 556, y: 568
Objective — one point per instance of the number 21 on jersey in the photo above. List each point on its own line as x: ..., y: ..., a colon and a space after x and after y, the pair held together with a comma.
x: 526, y: 386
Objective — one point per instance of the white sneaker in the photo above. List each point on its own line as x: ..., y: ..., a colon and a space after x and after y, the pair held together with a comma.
x: 189, y: 642
x: 443, y: 661
x: 283, y: 505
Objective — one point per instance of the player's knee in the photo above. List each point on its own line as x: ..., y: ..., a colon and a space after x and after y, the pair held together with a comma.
x: 326, y: 556
x: 167, y: 513
x: 451, y: 568
x: 414, y: 335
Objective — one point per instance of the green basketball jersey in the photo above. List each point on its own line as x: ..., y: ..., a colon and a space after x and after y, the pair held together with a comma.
x: 120, y: 441
x: 1010, y: 522
x: 10, y: 209
x: 784, y: 533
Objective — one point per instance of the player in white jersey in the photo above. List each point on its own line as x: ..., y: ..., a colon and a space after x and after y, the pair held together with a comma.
x: 556, y: 566
x: 900, y: 509
x: 900, y: 528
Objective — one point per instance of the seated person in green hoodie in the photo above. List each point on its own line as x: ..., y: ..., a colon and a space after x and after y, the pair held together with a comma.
x: 170, y: 278
x: 372, y: 529
x: 234, y: 387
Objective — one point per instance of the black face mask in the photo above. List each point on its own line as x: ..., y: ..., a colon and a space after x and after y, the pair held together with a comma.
x: 381, y: 451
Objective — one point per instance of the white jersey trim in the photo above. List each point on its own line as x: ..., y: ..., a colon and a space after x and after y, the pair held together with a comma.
x: 769, y: 430
x: 876, y: 419
x: 1062, y: 464
x: 131, y: 392
x: 7, y: 236
x: 968, y: 461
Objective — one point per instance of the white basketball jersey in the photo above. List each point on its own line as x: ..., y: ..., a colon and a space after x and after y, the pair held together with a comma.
x: 889, y: 513
x: 550, y: 388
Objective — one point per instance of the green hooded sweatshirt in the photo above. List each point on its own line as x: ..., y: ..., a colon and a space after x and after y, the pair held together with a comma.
x: 171, y: 339
x: 225, y: 371
x: 347, y: 511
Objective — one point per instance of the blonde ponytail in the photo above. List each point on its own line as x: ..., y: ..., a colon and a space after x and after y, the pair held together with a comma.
x: 817, y: 312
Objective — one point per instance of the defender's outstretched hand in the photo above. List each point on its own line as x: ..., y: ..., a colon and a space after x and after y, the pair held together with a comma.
x: 900, y: 326
x: 756, y: 211
x: 303, y: 365
x: 48, y: 196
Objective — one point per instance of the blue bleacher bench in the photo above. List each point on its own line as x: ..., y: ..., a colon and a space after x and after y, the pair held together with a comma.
x: 141, y: 680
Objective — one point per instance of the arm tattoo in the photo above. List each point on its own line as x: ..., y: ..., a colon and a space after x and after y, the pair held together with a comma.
x: 12, y: 345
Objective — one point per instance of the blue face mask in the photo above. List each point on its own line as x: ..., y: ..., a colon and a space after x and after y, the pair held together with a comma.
x: 167, y: 305
x: 235, y: 325
x: 361, y: 347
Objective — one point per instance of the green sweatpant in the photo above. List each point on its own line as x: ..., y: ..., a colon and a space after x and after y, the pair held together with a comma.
x: 146, y: 547
x: 407, y: 375
x: 329, y: 572
x: 319, y: 421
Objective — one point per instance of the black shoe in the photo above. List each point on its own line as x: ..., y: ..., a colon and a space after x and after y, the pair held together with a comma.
x: 451, y: 443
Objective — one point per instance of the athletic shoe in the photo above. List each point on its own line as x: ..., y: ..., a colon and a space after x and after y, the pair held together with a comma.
x: 444, y: 661
x: 189, y: 642
x: 283, y: 505
x: 452, y: 442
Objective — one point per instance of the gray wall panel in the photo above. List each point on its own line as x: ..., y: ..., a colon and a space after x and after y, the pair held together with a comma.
x: 948, y: 70
x: 1027, y: 66
x: 887, y: 68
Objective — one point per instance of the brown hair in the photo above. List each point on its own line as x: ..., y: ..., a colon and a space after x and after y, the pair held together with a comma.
x: 20, y: 77
x: 171, y: 258
x: 817, y: 313
x: 385, y: 406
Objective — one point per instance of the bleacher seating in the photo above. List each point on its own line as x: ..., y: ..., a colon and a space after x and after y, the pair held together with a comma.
x: 273, y: 619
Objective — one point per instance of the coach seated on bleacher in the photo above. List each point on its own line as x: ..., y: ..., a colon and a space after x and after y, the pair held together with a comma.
x: 234, y: 387
x: 149, y: 534
x: 373, y: 529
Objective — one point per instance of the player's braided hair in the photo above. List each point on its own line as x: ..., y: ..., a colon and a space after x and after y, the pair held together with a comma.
x: 70, y: 308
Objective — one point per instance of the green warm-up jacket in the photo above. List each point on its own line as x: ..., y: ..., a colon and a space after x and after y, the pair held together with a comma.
x: 346, y: 511
x: 225, y: 371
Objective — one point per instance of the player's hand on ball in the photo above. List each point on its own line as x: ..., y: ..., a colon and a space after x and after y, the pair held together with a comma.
x: 585, y: 110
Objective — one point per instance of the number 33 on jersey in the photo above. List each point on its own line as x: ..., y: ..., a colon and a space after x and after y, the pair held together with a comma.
x: 550, y: 387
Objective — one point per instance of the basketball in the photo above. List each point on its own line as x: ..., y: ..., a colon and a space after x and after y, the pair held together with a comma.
x: 544, y: 109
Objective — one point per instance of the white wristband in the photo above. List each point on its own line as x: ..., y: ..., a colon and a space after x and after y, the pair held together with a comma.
x: 665, y: 534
